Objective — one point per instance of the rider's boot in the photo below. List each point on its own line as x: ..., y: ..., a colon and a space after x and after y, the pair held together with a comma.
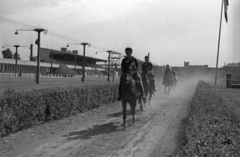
x: 154, y: 87
x: 143, y: 94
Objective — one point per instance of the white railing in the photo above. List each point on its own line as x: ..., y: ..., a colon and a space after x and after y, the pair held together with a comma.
x: 31, y: 75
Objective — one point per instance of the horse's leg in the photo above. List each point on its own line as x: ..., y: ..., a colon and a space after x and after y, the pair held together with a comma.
x: 133, y: 106
x: 146, y: 95
x: 150, y: 97
x: 144, y: 105
x: 146, y: 92
x: 140, y: 102
x: 124, y: 105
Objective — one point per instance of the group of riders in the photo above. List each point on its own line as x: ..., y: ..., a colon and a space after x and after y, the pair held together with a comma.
x: 129, y: 65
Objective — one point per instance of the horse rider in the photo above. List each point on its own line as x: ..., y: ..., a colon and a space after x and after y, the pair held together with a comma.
x: 173, y: 73
x: 147, y: 68
x: 174, y: 76
x: 168, y: 72
x: 127, y: 62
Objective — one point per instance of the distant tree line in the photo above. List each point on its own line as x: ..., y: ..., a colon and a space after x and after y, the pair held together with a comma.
x: 8, y: 54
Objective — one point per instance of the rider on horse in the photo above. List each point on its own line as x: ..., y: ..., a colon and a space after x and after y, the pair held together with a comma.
x: 173, y: 74
x: 168, y: 76
x: 130, y: 63
x: 147, y: 68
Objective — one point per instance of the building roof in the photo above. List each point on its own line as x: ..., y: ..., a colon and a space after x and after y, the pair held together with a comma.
x: 232, y: 65
x: 196, y: 66
x: 29, y: 63
x: 73, y: 54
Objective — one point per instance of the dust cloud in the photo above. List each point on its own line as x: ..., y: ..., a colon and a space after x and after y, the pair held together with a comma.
x: 185, y: 89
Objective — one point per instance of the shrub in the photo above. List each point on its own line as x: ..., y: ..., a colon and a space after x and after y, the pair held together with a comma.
x: 22, y: 110
x: 213, y: 129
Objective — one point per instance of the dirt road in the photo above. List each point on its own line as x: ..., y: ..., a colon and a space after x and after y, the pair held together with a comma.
x: 157, y: 131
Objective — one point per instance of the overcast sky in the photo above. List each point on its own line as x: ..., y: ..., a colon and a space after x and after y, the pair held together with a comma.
x: 172, y: 31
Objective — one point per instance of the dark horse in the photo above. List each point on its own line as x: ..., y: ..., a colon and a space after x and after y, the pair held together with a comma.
x: 167, y: 82
x: 148, y: 87
x: 130, y: 94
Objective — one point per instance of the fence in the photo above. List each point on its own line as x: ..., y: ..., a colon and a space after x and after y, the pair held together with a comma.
x: 31, y: 75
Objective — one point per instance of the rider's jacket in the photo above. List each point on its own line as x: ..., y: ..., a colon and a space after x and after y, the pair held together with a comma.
x: 146, y: 67
x: 127, y: 65
x: 168, y: 71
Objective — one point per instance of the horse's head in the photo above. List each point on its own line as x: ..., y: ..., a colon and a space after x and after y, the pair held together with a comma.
x: 126, y: 78
x: 128, y: 88
x: 128, y: 82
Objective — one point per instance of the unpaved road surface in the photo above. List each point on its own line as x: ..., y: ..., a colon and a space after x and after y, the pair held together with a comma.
x: 99, y: 133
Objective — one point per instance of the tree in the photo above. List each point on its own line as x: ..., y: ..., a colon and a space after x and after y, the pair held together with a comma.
x: 32, y: 58
x: 42, y: 60
x: 18, y: 56
x: 7, y: 53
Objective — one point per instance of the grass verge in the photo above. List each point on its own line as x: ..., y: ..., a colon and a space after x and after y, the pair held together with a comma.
x: 213, y: 128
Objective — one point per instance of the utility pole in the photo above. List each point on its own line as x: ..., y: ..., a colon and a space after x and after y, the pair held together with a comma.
x: 83, y: 67
x: 83, y: 77
x: 31, y: 50
x: 51, y: 70
x: 109, y: 65
x: 37, y: 42
x: 16, y: 58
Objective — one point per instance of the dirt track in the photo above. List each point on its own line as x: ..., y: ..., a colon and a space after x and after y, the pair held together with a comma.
x: 157, y: 131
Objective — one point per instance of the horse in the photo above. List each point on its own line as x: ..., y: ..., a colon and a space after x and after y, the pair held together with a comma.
x: 167, y: 82
x: 148, y: 87
x: 130, y: 94
x: 175, y: 81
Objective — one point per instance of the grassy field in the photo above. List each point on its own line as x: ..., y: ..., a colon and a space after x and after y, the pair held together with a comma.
x: 230, y: 96
x: 28, y: 84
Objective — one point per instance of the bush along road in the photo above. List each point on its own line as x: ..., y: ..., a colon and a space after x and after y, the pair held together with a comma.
x: 213, y: 129
x: 98, y: 132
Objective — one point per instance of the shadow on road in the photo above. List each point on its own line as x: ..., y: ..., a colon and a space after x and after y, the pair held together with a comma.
x: 120, y: 114
x: 95, y: 130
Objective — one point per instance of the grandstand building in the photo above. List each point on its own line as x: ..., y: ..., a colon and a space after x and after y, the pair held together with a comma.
x: 8, y: 66
x: 56, y: 62
x: 70, y: 62
x: 233, y: 69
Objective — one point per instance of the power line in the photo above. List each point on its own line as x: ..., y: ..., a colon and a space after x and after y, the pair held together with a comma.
x: 50, y: 32
x: 5, y: 43
x: 16, y: 22
x: 63, y: 37
x: 97, y: 47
